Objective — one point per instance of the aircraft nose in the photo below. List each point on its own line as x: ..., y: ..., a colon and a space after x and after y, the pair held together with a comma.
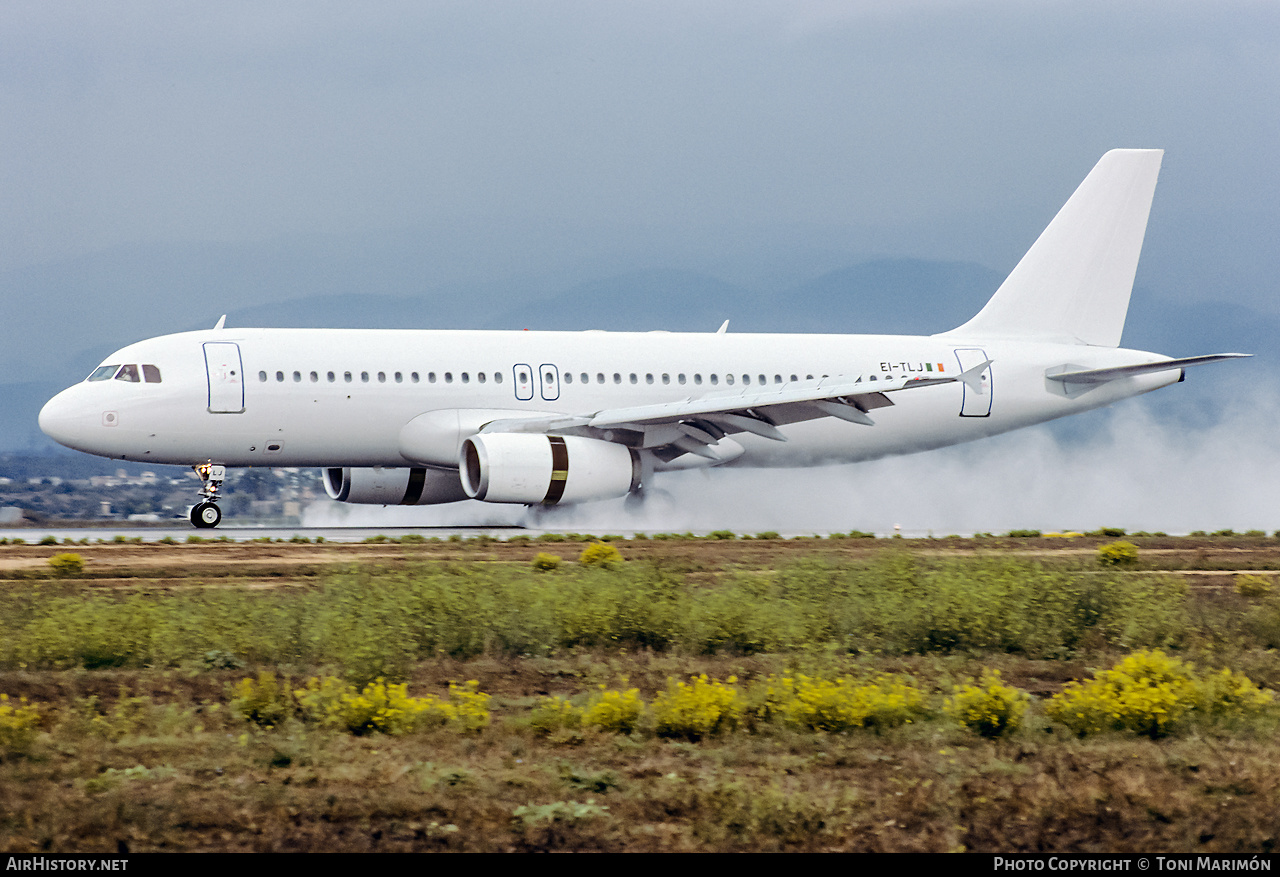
x: 58, y: 419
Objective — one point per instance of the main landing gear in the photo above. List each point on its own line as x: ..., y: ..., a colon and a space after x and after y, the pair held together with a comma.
x: 206, y: 514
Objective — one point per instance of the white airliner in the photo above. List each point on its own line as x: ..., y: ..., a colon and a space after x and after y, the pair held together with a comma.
x: 416, y: 417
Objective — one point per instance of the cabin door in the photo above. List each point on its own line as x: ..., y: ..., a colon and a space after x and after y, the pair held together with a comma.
x: 226, y: 377
x: 975, y: 404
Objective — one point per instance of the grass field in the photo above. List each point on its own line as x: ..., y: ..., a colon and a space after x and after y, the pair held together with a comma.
x: 128, y: 723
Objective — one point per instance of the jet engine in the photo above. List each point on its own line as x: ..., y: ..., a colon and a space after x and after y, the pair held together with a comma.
x: 393, y: 486
x: 546, y: 469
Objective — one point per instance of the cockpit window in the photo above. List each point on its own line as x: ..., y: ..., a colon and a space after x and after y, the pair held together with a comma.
x: 151, y: 374
x: 128, y: 373
x: 103, y: 373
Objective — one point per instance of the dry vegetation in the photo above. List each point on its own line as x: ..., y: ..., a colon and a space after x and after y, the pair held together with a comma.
x: 137, y: 735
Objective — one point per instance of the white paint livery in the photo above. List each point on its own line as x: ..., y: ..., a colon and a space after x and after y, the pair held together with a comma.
x: 417, y: 417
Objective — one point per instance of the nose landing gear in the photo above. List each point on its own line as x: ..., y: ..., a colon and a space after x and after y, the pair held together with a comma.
x: 206, y: 514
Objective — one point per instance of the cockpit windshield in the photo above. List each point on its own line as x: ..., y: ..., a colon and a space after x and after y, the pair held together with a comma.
x: 129, y: 372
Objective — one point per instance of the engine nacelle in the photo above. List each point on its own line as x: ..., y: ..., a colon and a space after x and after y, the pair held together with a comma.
x: 393, y: 486
x: 546, y: 469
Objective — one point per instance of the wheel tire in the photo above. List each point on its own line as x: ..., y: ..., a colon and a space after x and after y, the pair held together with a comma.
x: 206, y: 515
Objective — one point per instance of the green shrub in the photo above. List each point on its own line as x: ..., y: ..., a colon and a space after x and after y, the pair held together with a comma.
x: 1227, y: 693
x: 545, y: 562
x: 701, y: 708
x: 1118, y: 554
x: 264, y: 702
x: 618, y: 712
x: 1252, y: 585
x: 388, y: 709
x: 19, y: 724
x: 1108, y: 532
x: 553, y: 714
x: 841, y: 704
x: 1147, y: 693
x: 600, y: 554
x: 989, y: 708
x: 1023, y: 534
x: 66, y: 564
x: 1151, y: 693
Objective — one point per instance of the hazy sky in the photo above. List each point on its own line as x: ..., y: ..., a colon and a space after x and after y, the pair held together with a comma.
x: 705, y: 130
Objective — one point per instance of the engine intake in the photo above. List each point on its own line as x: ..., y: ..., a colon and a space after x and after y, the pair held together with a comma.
x: 393, y: 486
x: 546, y: 469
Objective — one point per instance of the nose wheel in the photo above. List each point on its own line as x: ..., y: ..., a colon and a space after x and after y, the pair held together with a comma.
x: 205, y: 514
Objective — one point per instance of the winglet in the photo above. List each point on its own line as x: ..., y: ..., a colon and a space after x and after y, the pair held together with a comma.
x: 724, y: 327
x: 222, y: 321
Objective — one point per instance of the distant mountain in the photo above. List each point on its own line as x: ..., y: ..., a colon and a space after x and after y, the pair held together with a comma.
x: 641, y: 301
x: 885, y: 297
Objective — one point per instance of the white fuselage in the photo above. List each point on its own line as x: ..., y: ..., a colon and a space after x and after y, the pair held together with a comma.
x: 341, y: 397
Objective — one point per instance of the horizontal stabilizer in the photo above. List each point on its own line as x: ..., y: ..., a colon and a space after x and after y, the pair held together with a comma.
x: 1102, y: 375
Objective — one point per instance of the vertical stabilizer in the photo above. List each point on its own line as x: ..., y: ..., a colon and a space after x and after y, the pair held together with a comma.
x: 1073, y: 284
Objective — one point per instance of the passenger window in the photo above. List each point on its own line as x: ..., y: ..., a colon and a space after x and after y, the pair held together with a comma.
x: 448, y: 377
x: 314, y: 377
x: 399, y: 378
x: 715, y: 379
x: 151, y: 374
x: 128, y: 373
x: 728, y: 379
x: 666, y: 378
x: 697, y: 379
x: 262, y: 376
x: 104, y: 373
x: 599, y: 377
x: 297, y: 377
x: 280, y: 377
x: 617, y: 378
x: 497, y: 377
x: 331, y: 377
x: 586, y: 379
x: 466, y: 378
x: 680, y: 378
x: 568, y: 377
x: 364, y: 377
x: 481, y: 377
x: 633, y: 377
x: 648, y: 379
x: 413, y: 376
x: 346, y: 376
x: 382, y: 377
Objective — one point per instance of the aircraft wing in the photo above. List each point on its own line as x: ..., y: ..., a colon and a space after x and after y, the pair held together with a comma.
x: 690, y: 425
